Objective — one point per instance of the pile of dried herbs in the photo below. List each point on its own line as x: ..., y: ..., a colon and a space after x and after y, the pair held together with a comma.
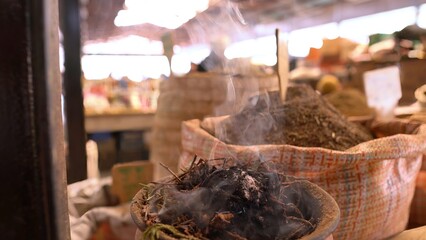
x: 305, y: 119
x: 207, y: 202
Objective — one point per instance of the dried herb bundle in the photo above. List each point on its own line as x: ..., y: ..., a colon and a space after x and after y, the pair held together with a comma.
x: 207, y: 202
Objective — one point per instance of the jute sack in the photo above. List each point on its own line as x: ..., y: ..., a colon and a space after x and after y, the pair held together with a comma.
x: 373, y: 182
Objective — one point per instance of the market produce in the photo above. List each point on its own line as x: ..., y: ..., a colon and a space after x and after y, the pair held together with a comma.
x: 328, y: 84
x: 350, y: 102
x: 305, y: 120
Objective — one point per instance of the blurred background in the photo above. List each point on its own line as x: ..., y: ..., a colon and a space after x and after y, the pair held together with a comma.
x: 133, y: 70
x: 129, y: 47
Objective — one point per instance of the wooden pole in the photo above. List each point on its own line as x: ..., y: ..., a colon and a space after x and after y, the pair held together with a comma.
x: 282, y: 64
x: 32, y: 166
x: 73, y: 93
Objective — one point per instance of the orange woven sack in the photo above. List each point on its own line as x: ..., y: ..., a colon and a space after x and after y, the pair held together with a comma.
x: 373, y: 182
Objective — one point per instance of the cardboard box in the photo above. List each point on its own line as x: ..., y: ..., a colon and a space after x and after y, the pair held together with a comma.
x: 127, y: 177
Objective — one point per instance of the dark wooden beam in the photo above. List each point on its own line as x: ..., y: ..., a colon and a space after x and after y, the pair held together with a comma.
x: 73, y: 93
x: 32, y: 162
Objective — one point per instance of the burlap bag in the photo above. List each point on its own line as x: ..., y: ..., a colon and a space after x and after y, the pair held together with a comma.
x: 373, y: 182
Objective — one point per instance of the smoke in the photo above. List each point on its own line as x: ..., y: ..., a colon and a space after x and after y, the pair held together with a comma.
x: 237, y: 200
x: 220, y: 26
x: 247, y: 128
x: 198, y: 204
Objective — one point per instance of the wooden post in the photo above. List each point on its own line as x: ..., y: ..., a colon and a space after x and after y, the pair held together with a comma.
x: 73, y: 93
x: 32, y: 163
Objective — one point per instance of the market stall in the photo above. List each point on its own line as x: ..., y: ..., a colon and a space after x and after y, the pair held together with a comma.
x: 261, y: 120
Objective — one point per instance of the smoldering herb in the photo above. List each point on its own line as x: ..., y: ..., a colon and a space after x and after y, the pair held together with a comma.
x: 208, y: 202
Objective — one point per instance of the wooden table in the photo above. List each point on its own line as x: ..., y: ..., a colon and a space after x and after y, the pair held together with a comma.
x: 115, y: 122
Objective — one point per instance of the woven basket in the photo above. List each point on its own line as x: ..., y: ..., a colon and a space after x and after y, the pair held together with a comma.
x: 373, y: 182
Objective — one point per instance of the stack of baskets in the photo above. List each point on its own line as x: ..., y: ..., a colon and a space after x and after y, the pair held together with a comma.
x: 193, y: 97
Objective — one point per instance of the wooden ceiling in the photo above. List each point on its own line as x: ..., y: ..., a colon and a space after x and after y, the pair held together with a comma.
x: 235, y: 17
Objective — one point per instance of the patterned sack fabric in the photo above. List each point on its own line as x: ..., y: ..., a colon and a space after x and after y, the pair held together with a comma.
x: 373, y: 182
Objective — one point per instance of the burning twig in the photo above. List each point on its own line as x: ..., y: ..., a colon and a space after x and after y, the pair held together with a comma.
x: 170, y: 171
x: 192, y: 163
x: 224, y: 162
x: 300, y: 231
x: 157, y: 231
x: 235, y: 236
x: 237, y: 203
x: 302, y: 220
x: 163, y: 183
x: 146, y: 212
x: 296, y: 209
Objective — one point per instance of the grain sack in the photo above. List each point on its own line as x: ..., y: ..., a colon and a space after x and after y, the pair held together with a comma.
x: 373, y: 182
